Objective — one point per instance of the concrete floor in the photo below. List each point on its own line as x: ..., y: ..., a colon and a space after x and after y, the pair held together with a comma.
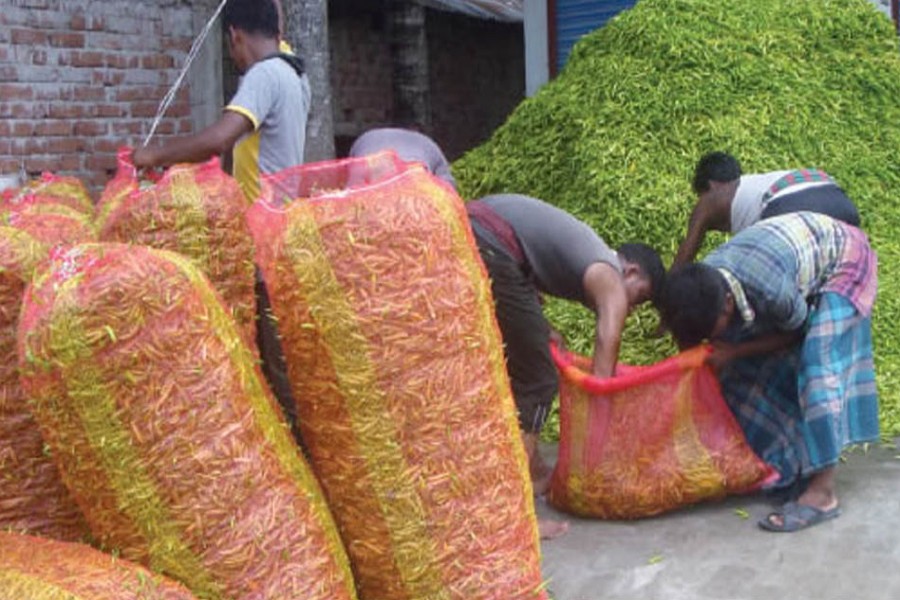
x: 715, y: 552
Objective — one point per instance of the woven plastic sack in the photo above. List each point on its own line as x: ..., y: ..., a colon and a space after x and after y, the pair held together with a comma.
x: 649, y: 440
x: 156, y: 415
x: 52, y: 190
x: 33, y: 498
x: 396, y: 362
x: 196, y: 210
x: 33, y: 568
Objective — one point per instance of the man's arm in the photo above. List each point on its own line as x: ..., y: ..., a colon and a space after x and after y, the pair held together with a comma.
x: 773, y: 342
x: 706, y: 215
x: 217, y: 139
x: 605, y: 290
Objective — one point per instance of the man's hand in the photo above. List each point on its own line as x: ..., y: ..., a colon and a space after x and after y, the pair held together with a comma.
x: 144, y: 158
x: 721, y: 355
x: 557, y: 339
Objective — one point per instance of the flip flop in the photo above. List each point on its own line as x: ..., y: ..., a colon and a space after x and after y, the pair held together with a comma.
x: 795, y: 517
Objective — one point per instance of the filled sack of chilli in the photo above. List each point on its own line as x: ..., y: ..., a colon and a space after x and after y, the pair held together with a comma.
x: 194, y: 209
x: 396, y: 365
x: 52, y: 190
x: 155, y: 413
x: 33, y: 568
x: 33, y: 498
x: 649, y: 440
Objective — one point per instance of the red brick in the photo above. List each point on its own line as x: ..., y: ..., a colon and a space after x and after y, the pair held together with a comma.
x: 62, y: 145
x: 67, y: 40
x: 108, y: 78
x: 78, y: 22
x: 69, y: 110
x: 91, y: 128
x: 86, y: 59
x: 28, y: 37
x: 140, y: 92
x: 11, y: 91
x: 9, y: 73
x: 107, y: 111
x: 39, y: 57
x: 22, y: 129
x: 185, y: 126
x: 182, y: 44
x: 106, y: 145
x: 143, y: 109
x: 5, y: 128
x: 51, y: 128
x: 127, y: 128
x: 157, y: 61
x: 101, y: 162
x: 38, y: 165
x: 88, y: 94
x: 17, y: 111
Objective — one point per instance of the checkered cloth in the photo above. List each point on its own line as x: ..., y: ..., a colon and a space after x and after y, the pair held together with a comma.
x: 801, y: 407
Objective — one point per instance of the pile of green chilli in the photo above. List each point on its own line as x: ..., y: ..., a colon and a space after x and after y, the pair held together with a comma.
x: 778, y: 83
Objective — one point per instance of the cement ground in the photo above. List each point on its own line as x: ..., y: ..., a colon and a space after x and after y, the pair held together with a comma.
x: 715, y: 551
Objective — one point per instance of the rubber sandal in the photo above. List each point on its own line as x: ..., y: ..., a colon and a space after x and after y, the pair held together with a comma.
x: 795, y: 517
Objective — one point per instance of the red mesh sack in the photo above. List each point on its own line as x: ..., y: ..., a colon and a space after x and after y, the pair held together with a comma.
x: 649, y: 440
x: 32, y: 568
x: 156, y: 416
x: 52, y: 190
x: 196, y: 210
x: 396, y: 365
x: 33, y: 498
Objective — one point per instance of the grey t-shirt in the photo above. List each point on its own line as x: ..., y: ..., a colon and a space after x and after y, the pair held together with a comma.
x: 276, y: 101
x: 558, y: 247
x: 409, y: 145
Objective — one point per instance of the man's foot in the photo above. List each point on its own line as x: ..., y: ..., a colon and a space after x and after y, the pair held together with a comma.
x: 794, y: 516
x: 549, y: 530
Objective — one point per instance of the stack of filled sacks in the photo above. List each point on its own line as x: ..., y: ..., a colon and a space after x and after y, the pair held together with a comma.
x: 55, y: 210
x: 193, y: 209
x: 155, y: 413
x: 32, y: 496
x: 396, y: 364
x: 37, y: 218
x: 34, y: 568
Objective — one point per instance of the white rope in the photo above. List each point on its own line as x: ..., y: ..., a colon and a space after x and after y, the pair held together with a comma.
x: 173, y: 91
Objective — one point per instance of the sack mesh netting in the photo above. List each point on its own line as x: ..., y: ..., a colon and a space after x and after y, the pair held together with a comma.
x: 196, y: 210
x: 156, y: 415
x: 649, y: 440
x: 396, y: 365
x: 33, y: 568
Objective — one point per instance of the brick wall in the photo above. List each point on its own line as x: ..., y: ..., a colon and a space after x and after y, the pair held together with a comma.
x: 80, y: 78
x: 476, y: 70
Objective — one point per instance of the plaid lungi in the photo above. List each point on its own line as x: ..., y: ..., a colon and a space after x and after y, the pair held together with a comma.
x: 801, y: 407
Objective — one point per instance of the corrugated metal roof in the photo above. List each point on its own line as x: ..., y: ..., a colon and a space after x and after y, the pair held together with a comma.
x: 501, y: 10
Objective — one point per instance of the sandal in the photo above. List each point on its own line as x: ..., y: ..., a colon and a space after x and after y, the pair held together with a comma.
x: 795, y: 516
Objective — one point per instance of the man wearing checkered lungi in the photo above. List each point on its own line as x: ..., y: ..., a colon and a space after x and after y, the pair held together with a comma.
x: 787, y: 305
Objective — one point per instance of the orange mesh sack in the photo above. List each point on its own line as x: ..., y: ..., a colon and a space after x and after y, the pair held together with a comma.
x: 195, y: 210
x: 33, y: 498
x: 50, y: 189
x: 32, y: 568
x: 647, y: 441
x: 156, y: 416
x: 395, y: 360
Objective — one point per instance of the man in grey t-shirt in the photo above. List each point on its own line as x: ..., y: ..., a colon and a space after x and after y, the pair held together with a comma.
x: 265, y: 122
x: 409, y: 145
x: 529, y: 248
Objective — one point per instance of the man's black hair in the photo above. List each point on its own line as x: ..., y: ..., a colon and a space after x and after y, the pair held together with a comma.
x: 715, y: 166
x: 650, y: 263
x: 251, y: 16
x: 691, y: 302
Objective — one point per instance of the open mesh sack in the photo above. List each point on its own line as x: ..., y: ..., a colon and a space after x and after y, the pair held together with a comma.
x: 196, y: 210
x: 33, y: 568
x: 33, y: 498
x: 162, y: 429
x: 649, y: 440
x: 50, y: 189
x: 396, y: 365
